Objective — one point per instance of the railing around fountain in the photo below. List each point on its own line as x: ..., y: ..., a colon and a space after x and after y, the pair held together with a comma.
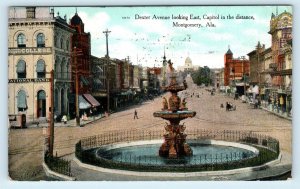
x: 268, y: 150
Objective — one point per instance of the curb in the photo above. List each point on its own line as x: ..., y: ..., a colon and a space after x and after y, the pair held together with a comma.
x: 180, y: 175
x: 56, y: 175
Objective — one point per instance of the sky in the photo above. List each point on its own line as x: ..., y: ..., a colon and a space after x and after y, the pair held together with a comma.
x: 144, y: 40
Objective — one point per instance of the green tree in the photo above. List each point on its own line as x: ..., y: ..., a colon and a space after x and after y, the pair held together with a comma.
x: 202, y: 76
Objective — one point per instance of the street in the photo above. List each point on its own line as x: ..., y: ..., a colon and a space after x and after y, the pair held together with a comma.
x: 26, y: 145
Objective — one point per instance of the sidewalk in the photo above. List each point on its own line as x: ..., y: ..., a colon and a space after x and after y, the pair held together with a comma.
x: 70, y: 123
x: 263, y: 108
x: 278, y: 114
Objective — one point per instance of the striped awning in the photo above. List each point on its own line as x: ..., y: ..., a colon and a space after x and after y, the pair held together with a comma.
x: 83, y: 104
x: 91, y: 100
x: 21, y: 66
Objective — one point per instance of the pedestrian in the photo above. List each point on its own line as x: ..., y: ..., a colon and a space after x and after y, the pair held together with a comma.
x: 135, y: 114
x: 64, y: 119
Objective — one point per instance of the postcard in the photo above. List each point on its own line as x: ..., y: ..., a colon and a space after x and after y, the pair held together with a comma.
x: 150, y: 93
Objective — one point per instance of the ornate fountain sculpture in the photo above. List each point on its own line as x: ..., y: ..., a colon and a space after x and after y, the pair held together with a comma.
x: 174, y: 110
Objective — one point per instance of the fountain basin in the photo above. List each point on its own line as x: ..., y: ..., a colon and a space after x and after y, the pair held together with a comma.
x: 144, y: 153
x: 168, y: 115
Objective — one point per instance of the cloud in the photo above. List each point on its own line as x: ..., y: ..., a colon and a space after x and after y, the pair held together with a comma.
x: 95, y: 24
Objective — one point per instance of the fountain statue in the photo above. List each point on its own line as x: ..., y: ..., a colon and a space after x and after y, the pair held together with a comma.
x: 174, y: 110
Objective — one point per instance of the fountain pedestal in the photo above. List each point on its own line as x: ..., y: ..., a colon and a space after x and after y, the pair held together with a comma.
x: 174, y: 144
x: 174, y: 110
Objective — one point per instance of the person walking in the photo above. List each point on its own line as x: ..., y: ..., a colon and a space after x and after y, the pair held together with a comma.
x: 135, y: 114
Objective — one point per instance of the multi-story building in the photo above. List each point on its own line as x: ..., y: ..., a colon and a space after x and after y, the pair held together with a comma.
x: 81, y: 67
x: 236, y: 71
x: 38, y: 42
x: 256, y: 65
x: 218, y: 78
x: 274, y: 66
x: 281, y: 32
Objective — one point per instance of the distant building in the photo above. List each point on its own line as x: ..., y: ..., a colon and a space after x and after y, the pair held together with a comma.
x: 188, y: 66
x: 235, y: 69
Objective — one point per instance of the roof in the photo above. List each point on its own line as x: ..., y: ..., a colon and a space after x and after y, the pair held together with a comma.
x: 229, y: 52
x: 75, y: 20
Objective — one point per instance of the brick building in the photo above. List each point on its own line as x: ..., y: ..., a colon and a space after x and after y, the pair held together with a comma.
x: 236, y: 70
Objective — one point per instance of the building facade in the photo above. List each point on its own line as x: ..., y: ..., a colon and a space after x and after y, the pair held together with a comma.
x: 236, y: 70
x: 38, y: 43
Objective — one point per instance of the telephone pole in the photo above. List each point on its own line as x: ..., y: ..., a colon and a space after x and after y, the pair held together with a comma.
x: 106, y: 32
x: 51, y: 116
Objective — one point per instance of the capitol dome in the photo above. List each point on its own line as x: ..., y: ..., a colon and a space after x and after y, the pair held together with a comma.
x: 188, y: 62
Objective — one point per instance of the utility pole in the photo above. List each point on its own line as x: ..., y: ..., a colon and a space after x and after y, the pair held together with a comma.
x: 51, y: 116
x: 76, y: 88
x: 244, y: 76
x: 106, y: 32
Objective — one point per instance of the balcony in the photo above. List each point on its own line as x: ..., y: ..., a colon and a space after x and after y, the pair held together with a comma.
x: 273, y: 66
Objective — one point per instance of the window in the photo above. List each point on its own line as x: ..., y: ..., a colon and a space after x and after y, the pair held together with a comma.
x: 55, y: 41
x: 40, y: 69
x: 67, y: 45
x: 21, y: 69
x: 21, y: 40
x: 61, y: 43
x: 21, y: 101
x: 40, y: 39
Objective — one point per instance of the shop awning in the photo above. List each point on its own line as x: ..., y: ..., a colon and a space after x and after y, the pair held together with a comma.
x: 91, y: 100
x: 83, y: 104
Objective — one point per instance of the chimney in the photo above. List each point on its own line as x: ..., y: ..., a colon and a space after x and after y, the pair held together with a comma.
x: 30, y: 12
x: 52, y: 12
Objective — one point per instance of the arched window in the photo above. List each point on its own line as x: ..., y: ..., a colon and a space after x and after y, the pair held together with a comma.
x: 61, y: 43
x: 21, y: 101
x: 55, y: 41
x: 40, y: 69
x: 40, y: 40
x: 21, y: 40
x: 67, y: 45
x: 21, y: 69
x: 41, y: 103
x: 56, y: 101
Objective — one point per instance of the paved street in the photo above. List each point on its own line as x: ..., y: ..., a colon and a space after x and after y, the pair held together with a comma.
x: 26, y: 145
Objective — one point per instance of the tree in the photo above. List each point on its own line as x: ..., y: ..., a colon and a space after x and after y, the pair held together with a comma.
x: 202, y: 76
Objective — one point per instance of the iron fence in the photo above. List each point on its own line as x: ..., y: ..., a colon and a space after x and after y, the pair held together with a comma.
x: 59, y: 165
x: 268, y: 150
x: 197, y: 134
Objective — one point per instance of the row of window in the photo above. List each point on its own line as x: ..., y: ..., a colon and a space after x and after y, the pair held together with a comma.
x: 40, y: 41
x: 41, y: 70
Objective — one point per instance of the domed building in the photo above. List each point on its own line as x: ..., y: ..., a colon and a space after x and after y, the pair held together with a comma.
x: 188, y: 65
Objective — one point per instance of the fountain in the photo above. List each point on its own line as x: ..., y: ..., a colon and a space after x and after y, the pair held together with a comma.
x: 203, y: 150
x: 174, y: 110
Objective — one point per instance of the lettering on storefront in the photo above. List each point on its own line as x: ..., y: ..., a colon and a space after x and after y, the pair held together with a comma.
x: 30, y: 50
x: 29, y: 80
